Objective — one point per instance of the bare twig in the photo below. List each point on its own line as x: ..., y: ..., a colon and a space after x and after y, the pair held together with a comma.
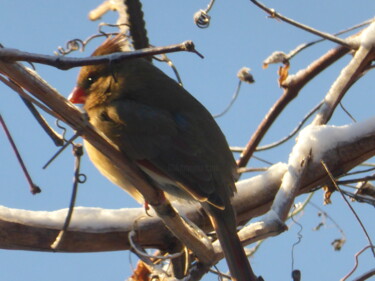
x: 65, y: 63
x: 274, y: 14
x: 350, y: 206
x: 144, y: 257
x: 58, y: 141
x: 299, y: 239
x: 362, y: 171
x: 356, y: 262
x: 303, y: 46
x: 347, y: 112
x: 234, y: 97
x: 220, y: 275
x: 293, y: 133
x: 67, y: 143
x: 24, y: 95
x: 360, y: 198
x: 29, y: 102
x: 34, y: 189
x: 141, y: 252
x: 78, y: 152
x: 164, y: 58
x: 367, y: 178
x: 79, y: 44
x: 243, y: 75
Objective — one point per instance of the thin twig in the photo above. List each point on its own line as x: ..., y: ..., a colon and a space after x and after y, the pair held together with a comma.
x: 166, y: 59
x: 220, y: 275
x: 299, y: 239
x: 274, y: 14
x: 22, y: 93
x: 76, y: 135
x: 350, y: 206
x: 65, y: 63
x: 356, y: 262
x: 29, y: 102
x: 293, y: 133
x: 78, y: 152
x: 362, y: 171
x: 55, y: 137
x: 141, y: 252
x: 300, y: 48
x: 347, y: 112
x: 360, y: 198
x: 368, y: 178
x: 143, y: 256
x: 78, y: 44
x: 234, y: 97
x: 34, y: 189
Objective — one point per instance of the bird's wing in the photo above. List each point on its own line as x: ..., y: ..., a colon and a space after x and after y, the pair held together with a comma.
x: 163, y: 142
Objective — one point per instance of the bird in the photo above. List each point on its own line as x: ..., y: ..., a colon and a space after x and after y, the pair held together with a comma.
x: 168, y: 134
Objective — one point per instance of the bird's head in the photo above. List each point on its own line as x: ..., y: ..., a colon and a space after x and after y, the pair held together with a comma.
x: 95, y: 81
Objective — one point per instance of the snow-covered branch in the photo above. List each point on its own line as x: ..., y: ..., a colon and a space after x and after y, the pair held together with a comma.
x: 342, y: 148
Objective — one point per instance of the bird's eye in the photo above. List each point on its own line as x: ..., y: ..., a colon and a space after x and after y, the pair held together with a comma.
x: 91, y: 78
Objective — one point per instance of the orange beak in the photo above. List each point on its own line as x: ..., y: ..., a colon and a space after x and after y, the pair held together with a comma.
x: 77, y: 96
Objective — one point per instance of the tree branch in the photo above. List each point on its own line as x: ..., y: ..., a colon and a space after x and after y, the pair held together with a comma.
x: 65, y: 63
x: 292, y: 86
x: 254, y: 198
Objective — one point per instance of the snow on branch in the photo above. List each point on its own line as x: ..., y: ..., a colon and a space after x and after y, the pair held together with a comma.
x: 341, y: 147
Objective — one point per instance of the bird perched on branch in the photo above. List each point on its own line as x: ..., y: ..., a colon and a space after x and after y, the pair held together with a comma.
x: 170, y: 136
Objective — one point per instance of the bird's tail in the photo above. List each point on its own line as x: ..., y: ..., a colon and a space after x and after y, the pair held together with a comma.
x: 225, y: 226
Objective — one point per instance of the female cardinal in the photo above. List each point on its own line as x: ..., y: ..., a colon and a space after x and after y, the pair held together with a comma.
x: 168, y: 134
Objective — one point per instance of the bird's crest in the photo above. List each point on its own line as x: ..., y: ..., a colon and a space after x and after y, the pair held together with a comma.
x: 111, y: 45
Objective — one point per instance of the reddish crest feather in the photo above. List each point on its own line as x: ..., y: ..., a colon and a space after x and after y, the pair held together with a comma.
x: 111, y: 45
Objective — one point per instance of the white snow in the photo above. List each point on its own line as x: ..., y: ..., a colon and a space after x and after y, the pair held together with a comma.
x: 274, y: 172
x: 318, y: 140
x: 104, y: 220
x: 325, y: 137
x: 84, y: 218
x: 368, y: 36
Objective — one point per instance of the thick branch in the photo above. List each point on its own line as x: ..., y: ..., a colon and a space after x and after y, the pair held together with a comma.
x: 254, y: 198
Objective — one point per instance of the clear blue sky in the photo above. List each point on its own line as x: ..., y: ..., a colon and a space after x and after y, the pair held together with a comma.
x: 239, y: 35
